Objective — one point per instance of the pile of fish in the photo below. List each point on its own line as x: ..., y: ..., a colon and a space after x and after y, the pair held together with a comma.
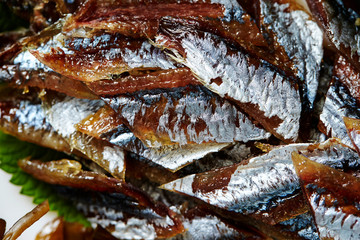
x: 192, y: 119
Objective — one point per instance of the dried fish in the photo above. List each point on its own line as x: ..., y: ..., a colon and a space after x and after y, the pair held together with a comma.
x: 302, y: 225
x: 106, y: 125
x: 171, y: 78
x: 338, y: 104
x: 105, y: 57
x: 333, y: 197
x: 266, y: 95
x: 141, y: 20
x: 26, y: 120
x: 64, y: 114
x: 183, y: 116
x: 294, y: 29
x: 123, y: 217
x: 345, y: 72
x: 339, y: 24
x: 264, y: 182
x: 353, y: 130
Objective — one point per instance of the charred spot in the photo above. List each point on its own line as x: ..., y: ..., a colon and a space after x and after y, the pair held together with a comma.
x: 217, y: 80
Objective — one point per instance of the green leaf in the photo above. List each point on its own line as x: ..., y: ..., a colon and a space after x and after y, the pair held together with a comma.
x: 11, y: 151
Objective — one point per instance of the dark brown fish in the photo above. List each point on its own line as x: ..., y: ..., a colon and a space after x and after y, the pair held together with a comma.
x: 334, y: 197
x: 339, y: 24
x: 69, y: 173
x: 138, y: 19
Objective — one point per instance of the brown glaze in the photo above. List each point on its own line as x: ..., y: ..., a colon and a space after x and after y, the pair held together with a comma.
x: 340, y: 187
x: 103, y: 121
x: 292, y: 207
x: 171, y: 78
x: 134, y: 19
x: 212, y: 180
x: 45, y: 80
x: 69, y: 173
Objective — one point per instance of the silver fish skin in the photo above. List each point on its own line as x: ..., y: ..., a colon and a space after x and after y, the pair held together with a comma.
x: 303, y: 225
x: 186, y: 111
x: 339, y: 24
x: 116, y: 60
x: 120, y: 215
x: 301, y: 38
x: 210, y: 59
x: 338, y: 104
x: 173, y: 157
x: 332, y: 222
x: 26, y: 120
x: 64, y: 114
x: 262, y: 183
x: 207, y: 227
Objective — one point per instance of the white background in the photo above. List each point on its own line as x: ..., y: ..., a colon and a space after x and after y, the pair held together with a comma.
x: 14, y: 205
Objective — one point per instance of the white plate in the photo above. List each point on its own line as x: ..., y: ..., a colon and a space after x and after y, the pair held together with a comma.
x: 14, y: 205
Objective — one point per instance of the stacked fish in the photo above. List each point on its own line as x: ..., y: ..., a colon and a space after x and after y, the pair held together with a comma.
x: 193, y: 119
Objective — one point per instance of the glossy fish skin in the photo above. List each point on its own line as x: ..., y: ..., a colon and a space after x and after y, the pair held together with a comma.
x: 294, y: 30
x: 338, y: 104
x: 123, y: 217
x: 303, y: 226
x: 112, y: 56
x: 264, y: 94
x: 339, y: 25
x: 64, y: 114
x: 183, y: 116
x: 26, y: 120
x: 264, y: 182
x: 106, y: 125
x: 333, y: 197
x: 137, y: 19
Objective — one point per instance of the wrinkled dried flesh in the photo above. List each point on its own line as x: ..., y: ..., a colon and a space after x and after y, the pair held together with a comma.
x: 102, y: 122
x: 69, y: 173
x: 292, y: 28
x: 26, y: 121
x: 26, y: 221
x: 239, y: 77
x: 277, y: 187
x: 137, y: 20
x: 179, y: 77
x: 104, y: 63
x: 64, y: 114
x: 353, y: 130
x: 338, y: 104
x: 349, y: 76
x: 183, y: 116
x: 44, y: 80
x: 333, y: 196
x: 340, y: 28
x: 106, y: 125
x: 123, y: 217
